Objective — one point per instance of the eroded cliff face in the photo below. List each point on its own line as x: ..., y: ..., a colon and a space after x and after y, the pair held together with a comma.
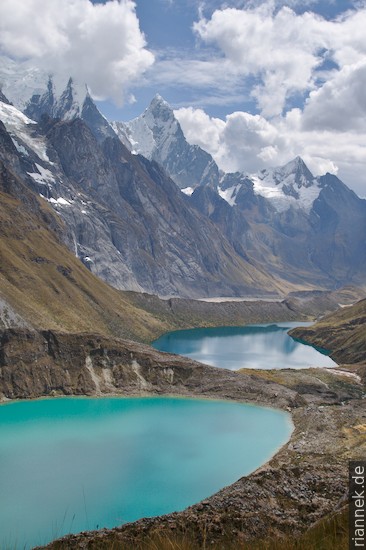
x: 302, y: 483
x: 121, y: 214
x: 46, y: 363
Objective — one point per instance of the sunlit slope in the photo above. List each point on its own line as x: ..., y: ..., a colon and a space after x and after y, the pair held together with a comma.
x: 343, y: 332
x: 45, y: 284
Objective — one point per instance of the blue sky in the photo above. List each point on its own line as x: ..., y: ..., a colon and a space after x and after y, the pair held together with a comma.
x: 168, y: 28
x: 255, y: 83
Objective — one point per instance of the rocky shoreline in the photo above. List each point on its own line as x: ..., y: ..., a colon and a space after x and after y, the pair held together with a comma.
x: 303, y: 482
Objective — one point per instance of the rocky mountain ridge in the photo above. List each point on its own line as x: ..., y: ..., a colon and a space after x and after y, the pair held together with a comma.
x: 282, y: 225
x: 124, y: 218
x: 301, y: 228
x: 157, y: 135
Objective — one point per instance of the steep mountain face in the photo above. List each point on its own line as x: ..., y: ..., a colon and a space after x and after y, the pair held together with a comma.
x: 125, y: 219
x: 157, y: 135
x: 42, y: 284
x: 304, y: 229
x: 301, y: 228
x: 222, y: 235
x: 70, y: 104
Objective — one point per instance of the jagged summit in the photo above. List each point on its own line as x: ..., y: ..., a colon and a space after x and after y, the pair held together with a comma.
x: 301, y: 175
x: 289, y: 185
x: 74, y: 101
x: 66, y: 106
x: 158, y: 100
x: 157, y: 135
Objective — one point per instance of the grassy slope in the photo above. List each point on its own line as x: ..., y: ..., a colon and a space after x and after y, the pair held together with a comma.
x: 49, y: 287
x: 342, y: 332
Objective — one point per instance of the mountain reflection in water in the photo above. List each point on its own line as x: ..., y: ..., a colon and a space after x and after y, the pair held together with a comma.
x: 254, y: 347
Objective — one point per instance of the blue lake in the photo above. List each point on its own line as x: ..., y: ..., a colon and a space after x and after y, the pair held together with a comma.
x: 72, y: 464
x: 254, y: 347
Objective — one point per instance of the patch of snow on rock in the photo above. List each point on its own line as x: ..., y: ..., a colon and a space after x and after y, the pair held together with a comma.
x: 60, y: 201
x: 44, y: 177
x: 19, y: 126
x: 229, y: 195
x: 188, y: 191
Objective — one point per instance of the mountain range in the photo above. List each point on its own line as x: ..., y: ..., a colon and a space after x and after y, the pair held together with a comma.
x: 147, y: 211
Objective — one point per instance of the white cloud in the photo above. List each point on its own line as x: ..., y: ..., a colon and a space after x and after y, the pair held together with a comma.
x: 340, y: 104
x: 243, y: 142
x: 181, y: 68
x: 283, y: 50
x: 201, y: 129
x: 289, y: 56
x: 98, y: 44
x: 249, y: 143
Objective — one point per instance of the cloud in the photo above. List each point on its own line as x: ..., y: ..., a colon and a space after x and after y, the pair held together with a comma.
x: 243, y: 142
x: 194, y: 70
x: 282, y: 49
x: 201, y: 129
x: 317, y: 64
x: 98, y: 44
x: 248, y: 143
x: 340, y: 104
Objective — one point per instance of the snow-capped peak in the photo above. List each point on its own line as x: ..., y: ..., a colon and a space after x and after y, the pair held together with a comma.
x: 154, y: 130
x: 20, y: 128
x: 295, y: 171
x: 290, y: 185
x: 159, y: 110
x: 158, y: 100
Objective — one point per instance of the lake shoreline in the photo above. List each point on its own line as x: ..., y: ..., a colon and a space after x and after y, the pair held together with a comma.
x: 110, y: 442
x: 303, y: 482
x: 317, y: 449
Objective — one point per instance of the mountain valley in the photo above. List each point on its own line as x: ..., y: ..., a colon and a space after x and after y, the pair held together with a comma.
x: 113, y: 233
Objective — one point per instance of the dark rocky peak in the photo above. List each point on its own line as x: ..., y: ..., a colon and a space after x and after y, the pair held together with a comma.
x: 68, y: 106
x: 335, y: 189
x: 296, y: 172
x: 98, y: 124
x: 207, y: 201
x: 80, y: 154
x: 235, y: 178
x: 4, y: 99
x: 41, y: 104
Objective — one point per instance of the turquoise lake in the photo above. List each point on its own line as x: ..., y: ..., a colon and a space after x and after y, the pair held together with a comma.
x: 71, y: 464
x: 254, y: 347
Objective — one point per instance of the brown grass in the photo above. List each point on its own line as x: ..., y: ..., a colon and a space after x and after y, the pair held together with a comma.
x: 51, y: 289
x: 328, y: 534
